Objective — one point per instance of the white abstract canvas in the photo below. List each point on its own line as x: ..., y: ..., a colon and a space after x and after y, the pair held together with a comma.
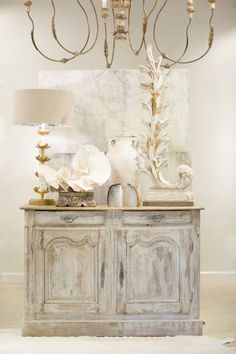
x: 108, y: 104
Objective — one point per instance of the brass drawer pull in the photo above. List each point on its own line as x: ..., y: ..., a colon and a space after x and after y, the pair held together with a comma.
x: 68, y: 219
x: 157, y: 218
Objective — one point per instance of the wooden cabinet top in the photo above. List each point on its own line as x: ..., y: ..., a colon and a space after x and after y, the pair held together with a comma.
x: 105, y: 207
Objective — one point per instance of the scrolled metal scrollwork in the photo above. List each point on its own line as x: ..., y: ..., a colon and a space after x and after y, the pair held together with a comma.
x: 121, y: 11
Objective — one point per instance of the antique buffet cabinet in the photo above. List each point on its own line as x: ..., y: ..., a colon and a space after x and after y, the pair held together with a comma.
x: 111, y: 272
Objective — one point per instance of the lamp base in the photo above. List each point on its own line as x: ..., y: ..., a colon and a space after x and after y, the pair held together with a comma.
x: 42, y: 202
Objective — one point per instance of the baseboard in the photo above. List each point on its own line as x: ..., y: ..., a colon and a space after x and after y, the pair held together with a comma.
x: 218, y: 276
x: 112, y: 328
x: 11, y: 277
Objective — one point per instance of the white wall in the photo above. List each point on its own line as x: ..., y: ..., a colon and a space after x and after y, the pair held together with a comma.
x: 212, y: 93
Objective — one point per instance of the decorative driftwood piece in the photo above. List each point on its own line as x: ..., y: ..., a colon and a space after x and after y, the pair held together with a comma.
x: 153, y: 147
x: 115, y: 196
x: 134, y: 197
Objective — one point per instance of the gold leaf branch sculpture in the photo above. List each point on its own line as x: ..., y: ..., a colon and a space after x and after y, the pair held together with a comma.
x: 153, y: 147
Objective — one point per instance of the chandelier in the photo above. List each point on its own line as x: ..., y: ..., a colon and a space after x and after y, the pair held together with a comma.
x: 121, y: 10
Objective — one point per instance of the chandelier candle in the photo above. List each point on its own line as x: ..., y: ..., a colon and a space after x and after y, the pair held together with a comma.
x: 213, y: 4
x: 104, y: 4
x: 190, y: 8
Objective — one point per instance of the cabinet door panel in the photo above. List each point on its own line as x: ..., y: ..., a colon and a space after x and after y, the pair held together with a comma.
x: 70, y: 270
x: 152, y: 270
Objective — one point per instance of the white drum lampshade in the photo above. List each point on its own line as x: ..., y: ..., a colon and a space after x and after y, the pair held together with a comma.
x: 37, y: 106
x: 43, y: 107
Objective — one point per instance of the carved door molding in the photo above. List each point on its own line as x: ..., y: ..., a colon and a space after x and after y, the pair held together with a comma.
x: 153, y: 271
x: 70, y: 270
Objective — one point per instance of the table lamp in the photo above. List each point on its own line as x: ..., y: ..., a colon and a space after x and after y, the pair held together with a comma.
x: 43, y: 108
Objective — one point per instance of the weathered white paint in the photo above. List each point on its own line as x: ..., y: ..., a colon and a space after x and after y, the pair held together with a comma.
x: 112, y: 272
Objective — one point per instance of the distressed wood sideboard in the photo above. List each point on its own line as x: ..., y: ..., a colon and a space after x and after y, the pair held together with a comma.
x: 111, y: 272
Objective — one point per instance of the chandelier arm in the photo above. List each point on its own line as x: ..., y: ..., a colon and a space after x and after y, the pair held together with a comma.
x: 153, y: 8
x: 105, y: 13
x: 97, y: 30
x: 145, y: 24
x: 53, y: 25
x: 168, y: 66
x: 136, y: 52
x: 88, y: 25
x: 106, y: 48
x: 63, y: 60
x: 210, y: 42
x: 155, y: 25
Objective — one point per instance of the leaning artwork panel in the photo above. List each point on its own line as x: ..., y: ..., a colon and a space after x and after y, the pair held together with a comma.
x: 108, y: 104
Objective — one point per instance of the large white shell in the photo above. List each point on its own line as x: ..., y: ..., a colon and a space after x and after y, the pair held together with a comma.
x: 50, y: 176
x: 80, y: 160
x: 85, y: 183
x: 91, y: 167
x: 63, y: 175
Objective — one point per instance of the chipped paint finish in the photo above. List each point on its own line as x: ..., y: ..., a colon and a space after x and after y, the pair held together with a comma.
x: 104, y: 271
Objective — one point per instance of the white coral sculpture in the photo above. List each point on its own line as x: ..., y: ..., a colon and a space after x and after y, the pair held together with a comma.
x: 90, y: 170
x: 154, y: 145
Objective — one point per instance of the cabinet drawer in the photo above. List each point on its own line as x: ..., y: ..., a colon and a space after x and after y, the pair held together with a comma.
x: 155, y: 217
x: 69, y: 218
